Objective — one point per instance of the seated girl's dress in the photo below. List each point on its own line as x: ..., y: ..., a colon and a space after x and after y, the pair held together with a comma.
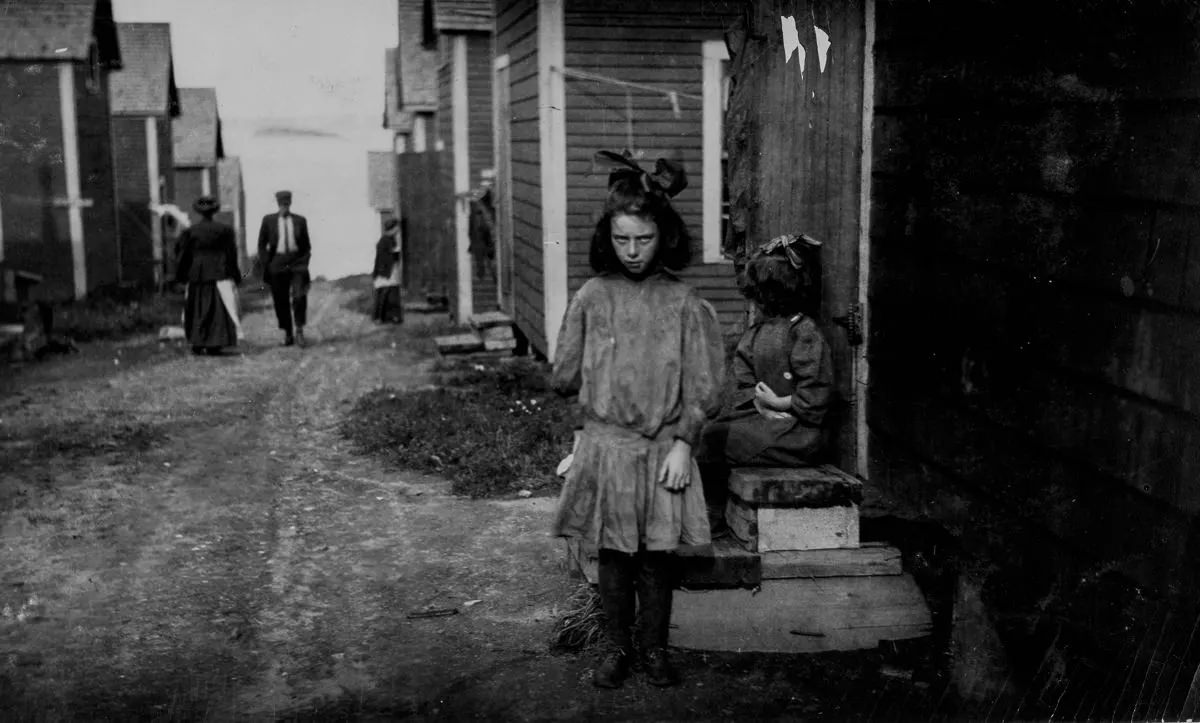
x: 642, y: 384
x: 791, y: 356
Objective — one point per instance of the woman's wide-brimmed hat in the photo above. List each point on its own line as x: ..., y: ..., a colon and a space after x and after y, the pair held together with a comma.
x: 206, y: 205
x: 667, y: 178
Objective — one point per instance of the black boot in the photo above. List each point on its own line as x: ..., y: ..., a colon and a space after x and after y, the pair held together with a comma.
x: 617, y: 598
x: 656, y: 584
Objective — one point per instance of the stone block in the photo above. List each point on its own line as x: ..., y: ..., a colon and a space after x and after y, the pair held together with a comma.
x: 499, y: 344
x: 497, y: 333
x: 823, y: 486
x: 801, y: 616
x: 765, y: 529
x: 873, y: 558
x: 724, y: 563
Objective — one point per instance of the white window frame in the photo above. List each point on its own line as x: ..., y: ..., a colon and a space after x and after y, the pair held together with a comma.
x: 715, y: 54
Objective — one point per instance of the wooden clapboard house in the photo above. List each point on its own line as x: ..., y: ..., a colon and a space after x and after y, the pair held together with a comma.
x: 198, y: 147
x: 462, y: 32
x: 145, y: 103
x: 58, y: 218
x: 574, y: 77
x: 233, y: 204
x: 425, y: 202
x: 1009, y: 195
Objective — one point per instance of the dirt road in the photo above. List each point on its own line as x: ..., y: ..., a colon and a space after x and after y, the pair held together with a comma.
x: 188, y: 538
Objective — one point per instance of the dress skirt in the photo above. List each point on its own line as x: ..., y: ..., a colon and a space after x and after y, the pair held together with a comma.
x: 612, y: 498
x: 205, y: 318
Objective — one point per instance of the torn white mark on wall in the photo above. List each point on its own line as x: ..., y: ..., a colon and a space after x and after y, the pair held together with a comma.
x: 791, y: 39
x: 822, y: 46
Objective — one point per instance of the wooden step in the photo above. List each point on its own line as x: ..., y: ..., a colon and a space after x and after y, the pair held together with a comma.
x: 801, y: 616
x: 489, y: 319
x: 767, y: 529
x: 724, y: 563
x: 822, y: 486
x: 458, y: 343
x: 872, y: 558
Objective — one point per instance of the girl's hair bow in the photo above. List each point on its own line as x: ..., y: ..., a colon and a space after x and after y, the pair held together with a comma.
x: 790, y: 244
x: 668, y: 178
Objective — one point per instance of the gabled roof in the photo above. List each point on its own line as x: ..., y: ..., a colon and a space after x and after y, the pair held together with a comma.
x: 381, y: 180
x: 417, y: 63
x: 145, y: 85
x: 394, y: 119
x: 197, y: 130
x: 58, y: 30
x: 463, y: 16
x: 229, y: 174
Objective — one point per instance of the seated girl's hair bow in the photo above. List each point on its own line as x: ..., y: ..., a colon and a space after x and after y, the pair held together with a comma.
x: 668, y: 178
x: 788, y: 244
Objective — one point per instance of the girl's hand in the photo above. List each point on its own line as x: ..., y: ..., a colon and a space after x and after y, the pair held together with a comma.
x: 676, y: 472
x: 769, y: 399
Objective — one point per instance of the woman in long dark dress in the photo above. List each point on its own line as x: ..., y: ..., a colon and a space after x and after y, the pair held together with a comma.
x: 385, y: 276
x: 208, y: 255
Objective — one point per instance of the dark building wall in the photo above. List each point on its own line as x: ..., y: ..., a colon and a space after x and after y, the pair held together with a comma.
x: 36, y: 235
x: 97, y: 182
x: 516, y: 36
x: 166, y: 159
x: 133, y: 198
x: 1035, y: 255
x: 658, y: 45
x: 481, y: 142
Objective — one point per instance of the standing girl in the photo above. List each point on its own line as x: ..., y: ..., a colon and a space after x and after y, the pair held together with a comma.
x: 645, y: 355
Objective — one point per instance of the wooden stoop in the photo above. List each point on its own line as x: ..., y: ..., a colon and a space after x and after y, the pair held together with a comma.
x: 794, y: 578
x: 491, y: 336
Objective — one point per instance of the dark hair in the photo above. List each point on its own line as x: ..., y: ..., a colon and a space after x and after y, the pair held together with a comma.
x: 627, y: 196
x: 781, y: 289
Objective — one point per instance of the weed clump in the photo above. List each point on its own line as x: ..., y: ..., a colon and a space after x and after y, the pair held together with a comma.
x: 492, y: 428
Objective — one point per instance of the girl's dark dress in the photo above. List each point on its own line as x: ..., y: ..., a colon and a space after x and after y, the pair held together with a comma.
x: 208, y: 254
x: 791, y: 356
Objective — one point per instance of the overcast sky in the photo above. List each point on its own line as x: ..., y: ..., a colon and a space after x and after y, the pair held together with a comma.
x: 318, y: 66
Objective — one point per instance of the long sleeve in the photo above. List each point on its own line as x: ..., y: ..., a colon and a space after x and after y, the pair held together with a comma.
x: 232, y: 271
x: 187, y: 248
x: 567, y: 376
x: 743, y: 371
x: 811, y: 363
x: 703, y: 370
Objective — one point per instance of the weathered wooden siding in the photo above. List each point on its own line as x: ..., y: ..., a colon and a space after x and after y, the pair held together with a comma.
x: 427, y: 218
x: 480, y: 137
x: 516, y: 36
x: 133, y: 199
x: 794, y: 139
x: 96, y: 180
x: 1035, y: 258
x: 36, y: 236
x: 655, y: 44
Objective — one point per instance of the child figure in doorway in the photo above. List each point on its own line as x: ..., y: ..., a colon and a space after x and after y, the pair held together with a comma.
x: 782, y: 369
x: 644, y: 354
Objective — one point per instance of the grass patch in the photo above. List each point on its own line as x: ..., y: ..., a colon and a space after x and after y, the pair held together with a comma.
x: 492, y: 428
x: 112, y: 314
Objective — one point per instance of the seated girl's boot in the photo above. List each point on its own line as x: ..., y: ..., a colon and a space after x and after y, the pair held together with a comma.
x: 658, y: 667
x: 613, y: 668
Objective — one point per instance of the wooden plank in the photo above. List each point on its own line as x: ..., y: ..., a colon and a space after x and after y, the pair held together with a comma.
x: 872, y: 558
x: 724, y: 563
x: 823, y: 486
x: 458, y: 343
x: 489, y: 319
x: 802, y: 616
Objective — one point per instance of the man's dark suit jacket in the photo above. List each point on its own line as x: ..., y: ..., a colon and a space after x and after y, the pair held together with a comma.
x: 268, y: 245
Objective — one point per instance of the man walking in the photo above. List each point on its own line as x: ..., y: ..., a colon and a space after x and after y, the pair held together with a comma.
x: 284, y: 250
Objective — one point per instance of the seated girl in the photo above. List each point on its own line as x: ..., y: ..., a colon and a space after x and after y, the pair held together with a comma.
x: 782, y: 369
